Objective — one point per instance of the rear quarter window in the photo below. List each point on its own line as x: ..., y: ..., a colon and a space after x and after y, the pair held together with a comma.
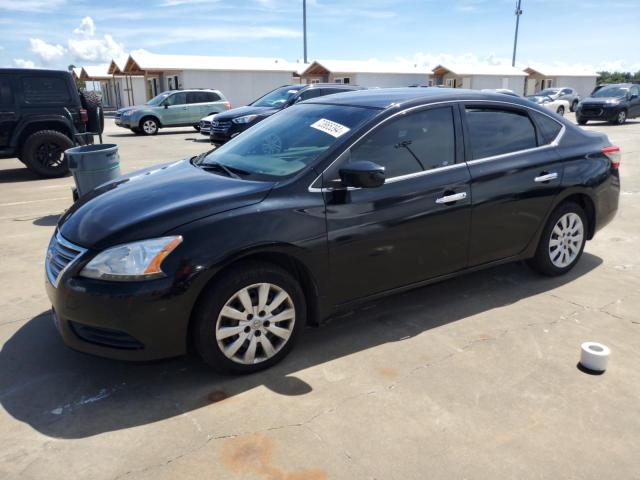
x: 42, y: 89
x: 549, y: 128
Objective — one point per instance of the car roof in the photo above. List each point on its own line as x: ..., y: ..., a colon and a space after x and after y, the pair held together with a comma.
x: 333, y: 85
x: 390, y: 97
x: 35, y: 71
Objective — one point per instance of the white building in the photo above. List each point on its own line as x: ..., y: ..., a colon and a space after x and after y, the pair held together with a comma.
x: 370, y: 73
x: 240, y: 79
x: 541, y: 77
x: 478, y: 77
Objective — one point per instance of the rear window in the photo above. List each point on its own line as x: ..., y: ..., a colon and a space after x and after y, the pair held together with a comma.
x: 494, y: 131
x: 38, y: 90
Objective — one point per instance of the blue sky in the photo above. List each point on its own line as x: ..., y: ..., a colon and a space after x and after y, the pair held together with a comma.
x: 54, y: 33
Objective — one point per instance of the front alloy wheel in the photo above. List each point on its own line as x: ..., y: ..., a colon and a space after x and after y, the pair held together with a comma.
x: 621, y: 117
x: 249, y: 318
x: 255, y: 323
x: 149, y: 126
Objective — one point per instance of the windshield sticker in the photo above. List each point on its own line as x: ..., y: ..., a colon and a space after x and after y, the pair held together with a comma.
x: 332, y: 128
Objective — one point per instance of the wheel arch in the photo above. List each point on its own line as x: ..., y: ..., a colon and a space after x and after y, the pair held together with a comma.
x: 29, y: 128
x: 149, y: 115
x: 279, y: 255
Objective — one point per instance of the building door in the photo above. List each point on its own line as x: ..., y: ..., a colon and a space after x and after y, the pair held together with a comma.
x: 531, y: 86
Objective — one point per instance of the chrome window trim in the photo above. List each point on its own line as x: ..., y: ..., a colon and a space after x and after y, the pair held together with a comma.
x: 60, y: 239
x: 554, y: 143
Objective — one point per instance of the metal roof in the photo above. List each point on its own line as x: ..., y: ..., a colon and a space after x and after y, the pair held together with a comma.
x: 479, y: 69
x: 95, y: 72
x: 366, y: 66
x: 560, y: 71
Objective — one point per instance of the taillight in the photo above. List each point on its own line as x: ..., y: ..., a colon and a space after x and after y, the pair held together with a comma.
x: 614, y: 154
x: 228, y: 105
x: 84, y: 116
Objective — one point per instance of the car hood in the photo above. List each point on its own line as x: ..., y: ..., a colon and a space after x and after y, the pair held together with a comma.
x: 600, y: 100
x: 129, y: 109
x: 151, y: 202
x: 242, y: 111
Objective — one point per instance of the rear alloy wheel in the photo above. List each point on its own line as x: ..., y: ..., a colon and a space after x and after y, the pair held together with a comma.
x: 43, y: 153
x: 621, y: 118
x: 560, y: 110
x: 250, y: 319
x: 562, y: 241
x: 149, y: 126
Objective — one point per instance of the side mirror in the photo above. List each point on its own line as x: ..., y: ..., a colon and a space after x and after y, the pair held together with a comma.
x: 362, y: 174
x: 633, y: 96
x: 166, y: 105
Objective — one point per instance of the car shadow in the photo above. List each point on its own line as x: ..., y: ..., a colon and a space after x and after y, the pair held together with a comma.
x: 47, y: 220
x: 65, y: 394
x: 159, y: 134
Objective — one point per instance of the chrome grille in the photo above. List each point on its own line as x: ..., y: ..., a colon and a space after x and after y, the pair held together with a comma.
x: 217, y: 126
x: 60, y: 255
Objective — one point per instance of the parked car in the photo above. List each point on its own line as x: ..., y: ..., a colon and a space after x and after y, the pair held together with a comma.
x: 230, y: 124
x: 614, y: 103
x: 40, y: 113
x: 558, y: 106
x: 204, y: 127
x: 562, y: 93
x: 504, y: 91
x: 236, y: 250
x: 175, y: 108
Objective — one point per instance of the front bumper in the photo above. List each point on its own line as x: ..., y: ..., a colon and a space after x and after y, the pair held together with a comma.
x: 124, y: 122
x: 222, y: 132
x: 598, y: 112
x: 123, y: 320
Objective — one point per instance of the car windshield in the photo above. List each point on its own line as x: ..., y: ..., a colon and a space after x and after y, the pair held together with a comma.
x: 289, y: 141
x: 611, y: 92
x: 549, y: 91
x: 276, y: 98
x: 157, y: 100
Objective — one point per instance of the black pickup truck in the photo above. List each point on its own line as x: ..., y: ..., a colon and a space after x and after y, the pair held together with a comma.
x: 41, y: 115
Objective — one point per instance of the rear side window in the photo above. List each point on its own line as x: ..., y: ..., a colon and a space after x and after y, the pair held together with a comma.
x: 6, y: 92
x: 549, y: 129
x: 413, y: 143
x: 39, y: 90
x: 177, y: 99
x: 311, y: 93
x: 494, y: 131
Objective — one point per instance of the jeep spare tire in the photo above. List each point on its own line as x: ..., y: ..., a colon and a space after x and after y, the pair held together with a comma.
x: 43, y: 153
x: 92, y: 103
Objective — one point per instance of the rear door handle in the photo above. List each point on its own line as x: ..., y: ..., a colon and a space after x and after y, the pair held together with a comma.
x: 452, y: 198
x: 545, y: 177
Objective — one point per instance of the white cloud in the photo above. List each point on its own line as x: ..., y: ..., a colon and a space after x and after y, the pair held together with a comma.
x: 86, y: 46
x: 47, y: 52
x: 31, y: 5
x: 22, y: 63
x: 176, y: 3
x: 87, y: 28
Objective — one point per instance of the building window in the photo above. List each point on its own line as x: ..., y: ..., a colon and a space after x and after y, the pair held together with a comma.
x: 315, y: 80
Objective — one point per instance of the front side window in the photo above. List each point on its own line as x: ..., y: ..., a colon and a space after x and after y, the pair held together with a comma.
x: 494, y: 131
x: 413, y: 143
x: 45, y: 90
x: 177, y: 99
x: 287, y: 142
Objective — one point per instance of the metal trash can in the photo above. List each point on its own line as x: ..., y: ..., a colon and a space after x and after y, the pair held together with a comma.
x: 93, y: 165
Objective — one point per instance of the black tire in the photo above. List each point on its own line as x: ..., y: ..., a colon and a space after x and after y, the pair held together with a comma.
x: 197, y: 128
x: 43, y: 153
x: 146, y: 129
x: 582, y: 121
x: 542, y: 262
x: 574, y: 105
x: 621, y: 118
x: 222, y: 290
x: 560, y: 111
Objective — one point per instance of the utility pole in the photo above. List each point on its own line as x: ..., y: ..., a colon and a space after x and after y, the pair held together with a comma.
x: 515, y: 40
x: 304, y: 27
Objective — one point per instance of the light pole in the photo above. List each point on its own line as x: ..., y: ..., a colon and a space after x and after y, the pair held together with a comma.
x: 515, y: 40
x: 304, y: 28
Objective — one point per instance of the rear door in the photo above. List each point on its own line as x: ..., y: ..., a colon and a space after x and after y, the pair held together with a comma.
x: 416, y: 225
x: 8, y: 111
x: 634, y: 101
x: 515, y: 172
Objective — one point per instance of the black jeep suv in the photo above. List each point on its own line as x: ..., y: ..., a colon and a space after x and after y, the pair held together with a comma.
x: 613, y: 103
x: 41, y: 115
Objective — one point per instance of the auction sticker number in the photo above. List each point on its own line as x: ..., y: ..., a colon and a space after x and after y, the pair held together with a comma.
x: 332, y: 128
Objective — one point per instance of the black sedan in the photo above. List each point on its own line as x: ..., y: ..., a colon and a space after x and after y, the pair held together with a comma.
x: 324, y: 205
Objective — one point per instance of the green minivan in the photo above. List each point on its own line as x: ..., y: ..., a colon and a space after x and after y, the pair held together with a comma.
x: 174, y: 108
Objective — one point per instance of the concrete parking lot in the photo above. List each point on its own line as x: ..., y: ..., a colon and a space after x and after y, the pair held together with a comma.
x: 475, y: 377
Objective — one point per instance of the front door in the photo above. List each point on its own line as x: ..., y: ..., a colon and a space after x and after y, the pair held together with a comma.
x: 8, y: 114
x: 416, y: 225
x: 176, y: 111
x: 515, y: 177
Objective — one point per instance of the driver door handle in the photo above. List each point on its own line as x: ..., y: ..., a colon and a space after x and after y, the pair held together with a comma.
x: 452, y: 198
x: 545, y: 177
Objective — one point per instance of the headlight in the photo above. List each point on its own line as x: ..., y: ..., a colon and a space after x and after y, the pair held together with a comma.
x: 127, y: 113
x: 613, y: 101
x: 132, y: 261
x: 245, y: 119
